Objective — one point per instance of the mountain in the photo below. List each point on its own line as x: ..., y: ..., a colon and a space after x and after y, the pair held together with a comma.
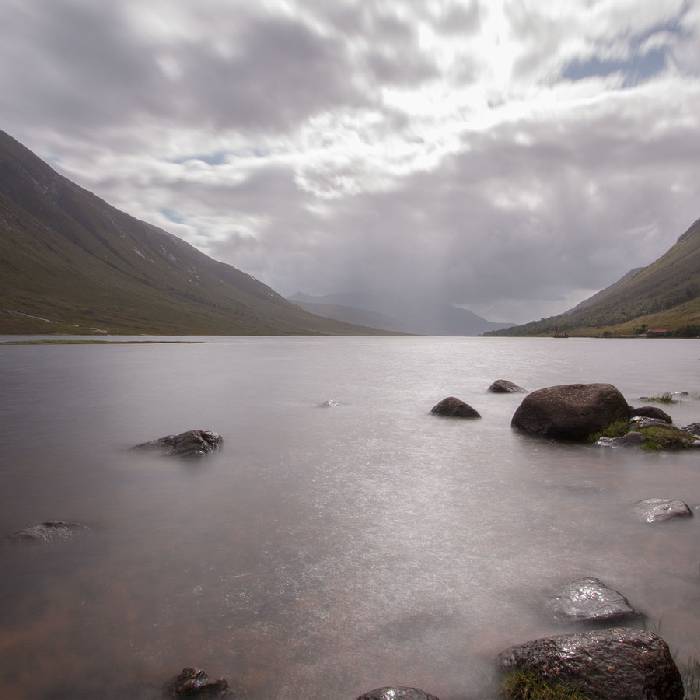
x: 418, y: 316
x: 665, y: 294
x: 71, y: 263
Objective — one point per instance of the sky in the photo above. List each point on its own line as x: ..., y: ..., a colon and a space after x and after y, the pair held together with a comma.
x: 510, y: 156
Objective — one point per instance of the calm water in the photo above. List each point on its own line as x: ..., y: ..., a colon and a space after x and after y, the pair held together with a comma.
x: 323, y: 552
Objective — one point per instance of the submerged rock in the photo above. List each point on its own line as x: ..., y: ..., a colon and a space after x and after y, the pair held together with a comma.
x: 397, y: 693
x: 590, y: 600
x: 194, y: 682
x: 503, y: 386
x: 49, y: 531
x: 454, y: 407
x: 570, y: 411
x: 644, y: 422
x: 331, y: 403
x: 654, y: 510
x: 631, y: 439
x: 651, y: 412
x: 613, y: 664
x: 191, y: 443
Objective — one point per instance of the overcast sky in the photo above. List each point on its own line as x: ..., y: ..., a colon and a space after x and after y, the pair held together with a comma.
x: 510, y: 156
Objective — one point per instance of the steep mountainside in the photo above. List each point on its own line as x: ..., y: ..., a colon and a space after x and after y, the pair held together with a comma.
x: 71, y: 263
x: 664, y: 294
x: 419, y: 316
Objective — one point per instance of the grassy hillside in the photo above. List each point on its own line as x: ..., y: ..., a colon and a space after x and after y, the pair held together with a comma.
x: 71, y: 263
x: 665, y: 294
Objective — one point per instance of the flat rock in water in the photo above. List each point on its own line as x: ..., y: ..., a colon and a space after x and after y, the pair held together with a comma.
x: 194, y: 682
x: 651, y: 412
x: 693, y: 429
x: 191, y: 443
x: 631, y: 439
x: 49, y: 531
x: 644, y: 422
x: 613, y: 664
x: 454, y: 407
x: 654, y: 510
x: 570, y: 411
x: 590, y: 600
x: 397, y: 693
x: 503, y: 386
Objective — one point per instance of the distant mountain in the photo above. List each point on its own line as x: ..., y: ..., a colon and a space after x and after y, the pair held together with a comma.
x: 421, y: 317
x: 665, y: 295
x: 71, y: 263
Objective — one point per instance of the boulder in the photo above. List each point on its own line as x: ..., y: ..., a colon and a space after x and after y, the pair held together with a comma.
x: 503, y: 386
x: 570, y: 411
x: 397, y: 693
x: 455, y: 408
x: 49, y: 531
x: 651, y: 412
x: 654, y: 510
x: 192, y: 443
x: 590, y: 600
x: 631, y: 439
x: 194, y: 682
x: 612, y: 664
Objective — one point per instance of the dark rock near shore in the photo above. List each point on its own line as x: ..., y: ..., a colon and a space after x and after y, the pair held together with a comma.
x: 631, y: 439
x: 654, y: 510
x: 570, y: 411
x: 651, y: 412
x: 590, y: 600
x: 397, y: 693
x: 48, y: 531
x: 693, y: 429
x: 192, y: 443
x: 194, y: 682
x: 613, y: 664
x: 503, y: 386
x: 455, y: 408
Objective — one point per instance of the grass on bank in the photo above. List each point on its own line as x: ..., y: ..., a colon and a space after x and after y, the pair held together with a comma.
x: 526, y: 685
x: 619, y: 428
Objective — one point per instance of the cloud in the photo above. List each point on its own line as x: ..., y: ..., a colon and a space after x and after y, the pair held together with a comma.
x: 508, y: 156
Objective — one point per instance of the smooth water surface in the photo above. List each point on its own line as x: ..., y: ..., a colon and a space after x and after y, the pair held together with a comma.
x: 324, y: 551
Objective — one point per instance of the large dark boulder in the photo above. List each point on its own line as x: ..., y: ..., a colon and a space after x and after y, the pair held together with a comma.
x: 454, y: 408
x: 570, y: 411
x: 194, y: 682
x: 590, y: 600
x: 48, y: 531
x: 192, y: 443
x: 613, y: 664
x: 503, y: 386
x: 651, y: 412
x: 397, y: 693
x: 654, y: 510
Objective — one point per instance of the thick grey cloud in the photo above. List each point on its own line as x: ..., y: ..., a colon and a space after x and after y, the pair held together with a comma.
x: 506, y: 157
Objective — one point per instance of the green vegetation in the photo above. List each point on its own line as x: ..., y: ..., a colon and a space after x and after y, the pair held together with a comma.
x: 617, y: 429
x: 666, y: 438
x: 526, y: 685
x: 71, y: 264
x: 666, y: 397
x: 662, y: 299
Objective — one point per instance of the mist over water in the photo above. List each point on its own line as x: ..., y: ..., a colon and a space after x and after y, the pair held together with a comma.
x: 324, y: 551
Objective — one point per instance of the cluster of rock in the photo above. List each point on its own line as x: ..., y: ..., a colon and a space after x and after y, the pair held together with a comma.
x: 48, y: 531
x: 191, y: 443
x: 194, y: 682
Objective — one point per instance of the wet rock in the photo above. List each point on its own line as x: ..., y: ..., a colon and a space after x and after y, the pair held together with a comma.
x: 331, y: 403
x: 590, y: 600
x: 651, y: 412
x: 191, y: 443
x: 693, y: 429
x: 570, y: 411
x: 654, y: 510
x: 613, y: 664
x: 644, y: 422
x: 666, y: 437
x: 455, y: 408
x: 631, y: 439
x: 397, y: 693
x: 49, y: 531
x: 194, y: 682
x: 503, y: 386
